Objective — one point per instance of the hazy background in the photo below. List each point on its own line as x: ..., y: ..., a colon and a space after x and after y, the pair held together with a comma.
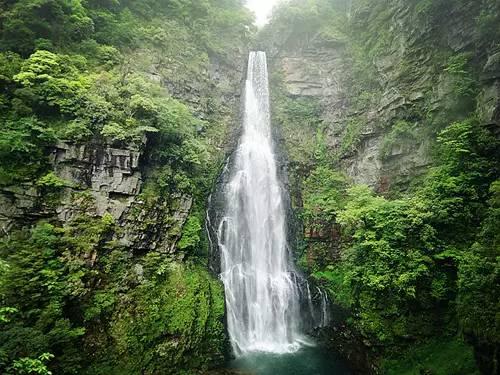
x: 262, y: 9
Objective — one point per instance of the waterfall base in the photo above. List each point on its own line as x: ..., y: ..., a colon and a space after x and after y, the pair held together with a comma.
x: 306, y: 361
x: 271, y: 347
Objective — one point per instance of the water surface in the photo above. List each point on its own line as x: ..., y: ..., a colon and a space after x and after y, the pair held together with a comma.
x: 306, y: 361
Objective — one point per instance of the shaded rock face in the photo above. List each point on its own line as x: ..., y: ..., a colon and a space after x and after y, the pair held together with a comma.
x: 323, y: 75
x: 215, y: 215
x: 16, y: 203
x: 489, y: 97
x: 315, y: 72
x: 110, y: 175
x: 407, y: 81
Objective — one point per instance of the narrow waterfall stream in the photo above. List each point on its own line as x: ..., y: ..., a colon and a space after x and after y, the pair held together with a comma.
x: 262, y: 296
x: 265, y: 295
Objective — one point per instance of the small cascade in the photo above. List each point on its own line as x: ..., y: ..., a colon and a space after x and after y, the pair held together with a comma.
x: 325, y: 311
x: 309, y: 301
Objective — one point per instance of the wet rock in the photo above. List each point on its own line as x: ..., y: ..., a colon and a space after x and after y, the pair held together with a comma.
x: 492, y: 68
x: 355, y: 349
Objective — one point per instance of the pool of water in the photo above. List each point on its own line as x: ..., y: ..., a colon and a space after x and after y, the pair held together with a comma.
x: 306, y: 361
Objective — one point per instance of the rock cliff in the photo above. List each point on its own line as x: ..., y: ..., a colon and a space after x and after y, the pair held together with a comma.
x: 389, y: 64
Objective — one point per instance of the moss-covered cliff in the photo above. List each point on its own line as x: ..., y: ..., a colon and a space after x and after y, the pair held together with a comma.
x: 402, y: 96
x: 114, y: 120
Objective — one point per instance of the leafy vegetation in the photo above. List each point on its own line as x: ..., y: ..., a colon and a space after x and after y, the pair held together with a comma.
x: 411, y: 267
x: 436, y: 357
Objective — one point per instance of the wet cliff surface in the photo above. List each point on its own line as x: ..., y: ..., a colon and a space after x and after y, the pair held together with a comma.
x: 392, y: 66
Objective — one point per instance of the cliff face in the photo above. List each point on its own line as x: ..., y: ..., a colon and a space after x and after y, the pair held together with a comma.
x: 104, y: 180
x: 387, y: 65
x: 113, y: 175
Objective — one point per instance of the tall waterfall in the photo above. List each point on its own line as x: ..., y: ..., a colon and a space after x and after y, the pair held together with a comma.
x: 262, y: 292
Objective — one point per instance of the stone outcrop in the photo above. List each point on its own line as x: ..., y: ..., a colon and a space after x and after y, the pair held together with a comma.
x: 322, y: 76
x: 16, y: 203
x: 111, y: 175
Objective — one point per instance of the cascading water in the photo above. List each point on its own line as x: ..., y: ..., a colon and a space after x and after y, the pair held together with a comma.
x: 262, y: 292
x: 265, y: 297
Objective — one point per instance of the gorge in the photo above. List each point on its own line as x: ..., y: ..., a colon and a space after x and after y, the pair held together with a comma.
x: 172, y: 203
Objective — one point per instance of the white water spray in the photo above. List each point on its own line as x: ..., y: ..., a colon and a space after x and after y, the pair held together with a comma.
x: 262, y: 295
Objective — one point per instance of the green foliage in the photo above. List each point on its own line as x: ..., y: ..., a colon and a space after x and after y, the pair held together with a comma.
x: 39, y: 284
x: 29, y: 24
x: 488, y: 23
x: 439, y: 356
x: 404, y: 262
x: 51, y: 181
x: 166, y: 319
x: 351, y: 136
x: 424, y: 264
x: 458, y: 188
x: 401, y: 132
x: 81, y: 88
x: 190, y: 234
x: 5, y: 312
x: 300, y: 122
x: 49, y: 80
x: 389, y: 258
x: 173, y: 321
x: 478, y: 301
x: 335, y: 280
x: 22, y: 144
x: 96, y: 73
x: 464, y: 81
x: 323, y: 196
x: 29, y: 366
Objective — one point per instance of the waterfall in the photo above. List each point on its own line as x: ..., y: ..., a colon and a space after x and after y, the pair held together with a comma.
x: 261, y: 287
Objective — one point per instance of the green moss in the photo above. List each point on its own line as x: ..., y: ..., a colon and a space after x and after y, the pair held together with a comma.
x: 52, y: 181
x: 464, y: 81
x: 351, y: 136
x: 299, y: 121
x: 402, y: 133
x: 171, y: 322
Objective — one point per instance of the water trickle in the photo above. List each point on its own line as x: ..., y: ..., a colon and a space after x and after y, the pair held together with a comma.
x: 325, y: 315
